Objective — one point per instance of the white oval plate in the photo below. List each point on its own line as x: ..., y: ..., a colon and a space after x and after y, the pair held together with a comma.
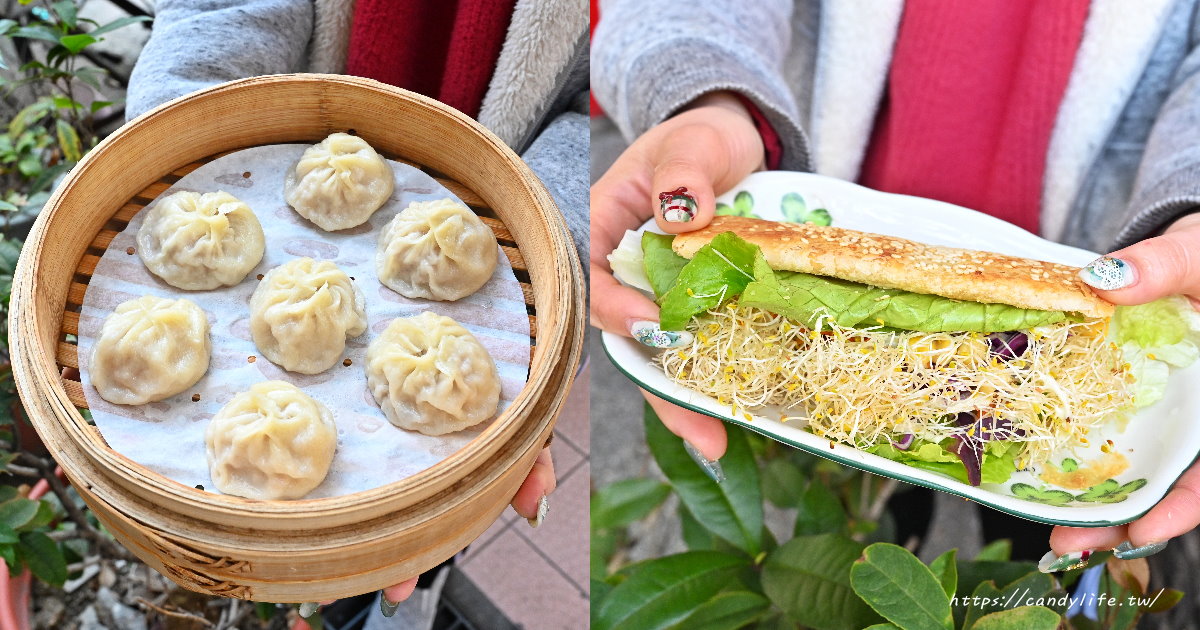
x: 1160, y: 441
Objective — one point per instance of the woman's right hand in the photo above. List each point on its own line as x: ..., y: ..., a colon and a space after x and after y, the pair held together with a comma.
x: 706, y: 149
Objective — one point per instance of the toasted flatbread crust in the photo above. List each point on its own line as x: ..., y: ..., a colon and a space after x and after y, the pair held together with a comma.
x: 896, y: 263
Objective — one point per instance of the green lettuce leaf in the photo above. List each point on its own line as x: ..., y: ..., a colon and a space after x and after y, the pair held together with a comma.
x: 804, y: 297
x: 662, y: 265
x: 716, y: 274
x: 999, y: 459
x: 626, y: 262
x: 1153, y: 335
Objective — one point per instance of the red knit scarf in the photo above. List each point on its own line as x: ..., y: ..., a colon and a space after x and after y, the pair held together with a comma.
x: 443, y: 49
x: 973, y: 92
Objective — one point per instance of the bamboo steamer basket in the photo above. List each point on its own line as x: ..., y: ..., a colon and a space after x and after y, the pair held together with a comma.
x: 307, y: 550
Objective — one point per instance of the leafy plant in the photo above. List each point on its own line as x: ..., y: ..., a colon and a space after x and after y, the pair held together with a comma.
x: 48, y: 136
x: 839, y: 571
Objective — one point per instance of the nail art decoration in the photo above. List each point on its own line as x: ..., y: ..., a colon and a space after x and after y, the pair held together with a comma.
x: 1107, y: 273
x: 307, y: 609
x: 1126, y: 550
x: 543, y: 508
x: 1051, y: 563
x: 678, y: 206
x: 649, y: 334
x: 711, y: 467
x: 385, y: 607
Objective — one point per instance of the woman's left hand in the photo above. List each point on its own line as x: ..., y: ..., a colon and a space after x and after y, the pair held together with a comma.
x: 1143, y: 272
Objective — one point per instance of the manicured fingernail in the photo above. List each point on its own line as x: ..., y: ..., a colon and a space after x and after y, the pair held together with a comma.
x: 387, y: 608
x: 711, y: 467
x: 1052, y: 563
x: 678, y: 206
x: 649, y: 334
x: 307, y: 609
x: 1107, y: 273
x: 1126, y: 550
x: 542, y: 510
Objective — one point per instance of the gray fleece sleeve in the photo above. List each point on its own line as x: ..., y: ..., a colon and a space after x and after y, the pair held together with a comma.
x: 1168, y: 181
x: 198, y: 43
x: 559, y: 157
x: 651, y: 57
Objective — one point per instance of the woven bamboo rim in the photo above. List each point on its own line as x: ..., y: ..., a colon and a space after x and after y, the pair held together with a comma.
x: 288, y: 551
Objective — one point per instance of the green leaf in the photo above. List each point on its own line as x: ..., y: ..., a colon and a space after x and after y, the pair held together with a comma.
x: 793, y: 207
x: 28, y: 116
x: 808, y: 577
x: 17, y: 512
x: 727, y: 611
x: 603, y: 546
x: 68, y: 140
x: 882, y: 626
x: 1164, y: 600
x: 43, y: 516
x: 8, y: 535
x: 663, y: 591
x: 661, y: 263
x: 36, y: 31
x: 67, y: 12
x: 1024, y: 618
x: 120, y: 23
x: 733, y: 509
x: 9, y: 554
x: 783, y: 482
x: 7, y: 493
x: 1024, y: 591
x: 43, y: 557
x: 624, y: 502
x: 972, y: 574
x: 10, y: 252
x: 820, y: 511
x: 76, y: 43
x: 597, y: 591
x: 7, y: 207
x: 717, y: 273
x: 99, y: 105
x: 695, y: 536
x: 946, y: 570
x: 902, y: 589
x: 996, y: 551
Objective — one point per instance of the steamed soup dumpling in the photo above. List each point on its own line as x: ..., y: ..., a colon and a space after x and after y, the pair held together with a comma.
x: 271, y: 442
x: 303, y: 311
x: 437, y: 250
x: 430, y: 374
x: 200, y: 241
x: 339, y: 183
x: 149, y: 349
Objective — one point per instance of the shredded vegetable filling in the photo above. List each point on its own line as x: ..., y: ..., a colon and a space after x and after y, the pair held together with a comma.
x: 868, y: 386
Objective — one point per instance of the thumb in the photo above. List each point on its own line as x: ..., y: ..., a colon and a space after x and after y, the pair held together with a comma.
x: 682, y: 183
x: 1151, y: 269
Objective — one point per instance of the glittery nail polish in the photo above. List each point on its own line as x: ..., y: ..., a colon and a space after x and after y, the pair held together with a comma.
x: 1107, y: 273
x: 677, y: 206
x: 711, y: 467
x: 648, y: 333
x: 1053, y: 563
x: 543, y: 508
x: 1126, y: 550
x: 385, y: 607
x: 307, y: 609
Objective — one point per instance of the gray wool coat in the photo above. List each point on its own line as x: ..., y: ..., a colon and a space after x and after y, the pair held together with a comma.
x: 200, y: 43
x: 1124, y: 156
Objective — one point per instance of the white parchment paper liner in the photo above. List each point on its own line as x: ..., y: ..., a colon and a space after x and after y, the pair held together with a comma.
x: 168, y: 436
